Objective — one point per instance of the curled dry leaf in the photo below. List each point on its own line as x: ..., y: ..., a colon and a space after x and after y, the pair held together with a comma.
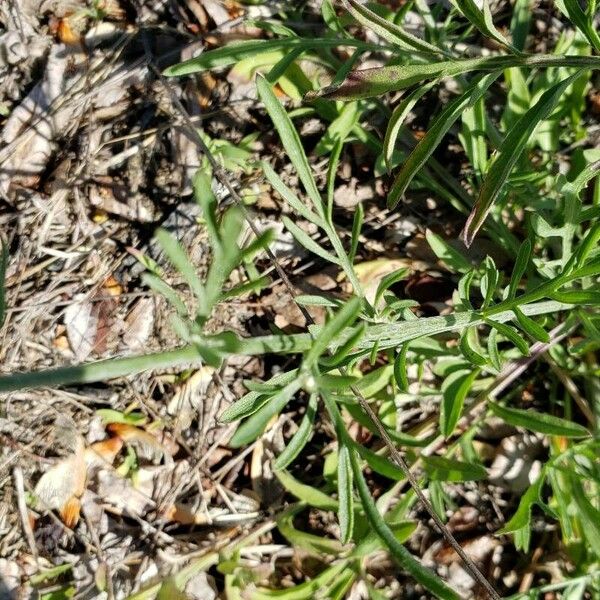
x: 148, y: 445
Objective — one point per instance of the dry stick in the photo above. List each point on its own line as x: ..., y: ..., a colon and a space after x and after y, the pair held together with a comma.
x: 22, y: 504
x: 396, y: 456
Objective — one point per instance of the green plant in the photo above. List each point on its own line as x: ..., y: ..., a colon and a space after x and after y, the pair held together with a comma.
x: 550, y: 291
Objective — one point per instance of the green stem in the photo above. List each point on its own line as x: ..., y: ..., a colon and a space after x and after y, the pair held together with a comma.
x: 387, y: 336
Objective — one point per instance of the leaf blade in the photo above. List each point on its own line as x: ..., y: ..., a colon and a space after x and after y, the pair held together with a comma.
x: 440, y: 127
x: 539, y: 422
x: 507, y: 155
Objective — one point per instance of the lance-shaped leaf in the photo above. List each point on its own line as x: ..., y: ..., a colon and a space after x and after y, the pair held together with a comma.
x: 572, y: 9
x: 234, y: 53
x: 368, y: 83
x: 250, y: 429
x: 343, y: 319
x: 345, y: 494
x: 388, y: 30
x: 509, y: 152
x: 404, y: 558
x: 290, y: 140
x: 539, y: 422
x: 519, y: 269
x: 181, y: 261
x: 439, y: 468
x: 481, y: 18
x: 455, y: 389
x: 425, y: 148
x: 305, y: 240
x: 301, y: 437
x: 522, y: 517
x: 397, y: 120
x: 307, y: 493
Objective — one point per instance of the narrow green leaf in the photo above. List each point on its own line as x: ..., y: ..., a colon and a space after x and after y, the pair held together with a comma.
x: 439, y: 468
x: 205, y: 197
x: 522, y: 516
x: 446, y: 253
x: 523, y: 258
x: 345, y: 494
x: 312, y: 496
x: 290, y: 197
x: 539, y: 422
x: 530, y: 327
x: 253, y: 286
x: 305, y: 240
x: 397, y: 120
x: 424, y: 576
x: 160, y: 287
x: 388, y: 30
x: 492, y: 348
x: 274, y: 384
x: 340, y: 128
x: 290, y: 140
x: 388, y: 280
x: 454, y: 391
x: 340, y: 354
x: 464, y: 290
x: 481, y: 18
x: 300, y: 438
x: 520, y: 23
x: 253, y: 427
x: 589, y: 515
x: 315, y: 544
x: 470, y: 347
x: 380, y: 464
x: 572, y: 10
x: 589, y: 244
x: 336, y: 383
x: 357, y: 224
x: 510, y: 334
x: 368, y: 83
x: 282, y: 65
x: 108, y: 415
x: 321, y: 584
x: 441, y: 125
x: 577, y: 296
x: 375, y: 381
x: 50, y: 574
x: 180, y: 260
x: 489, y: 281
x: 310, y: 300
x: 235, y: 52
x: 245, y: 406
x: 509, y: 152
x: 343, y: 319
x: 332, y: 171
x: 400, y: 370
